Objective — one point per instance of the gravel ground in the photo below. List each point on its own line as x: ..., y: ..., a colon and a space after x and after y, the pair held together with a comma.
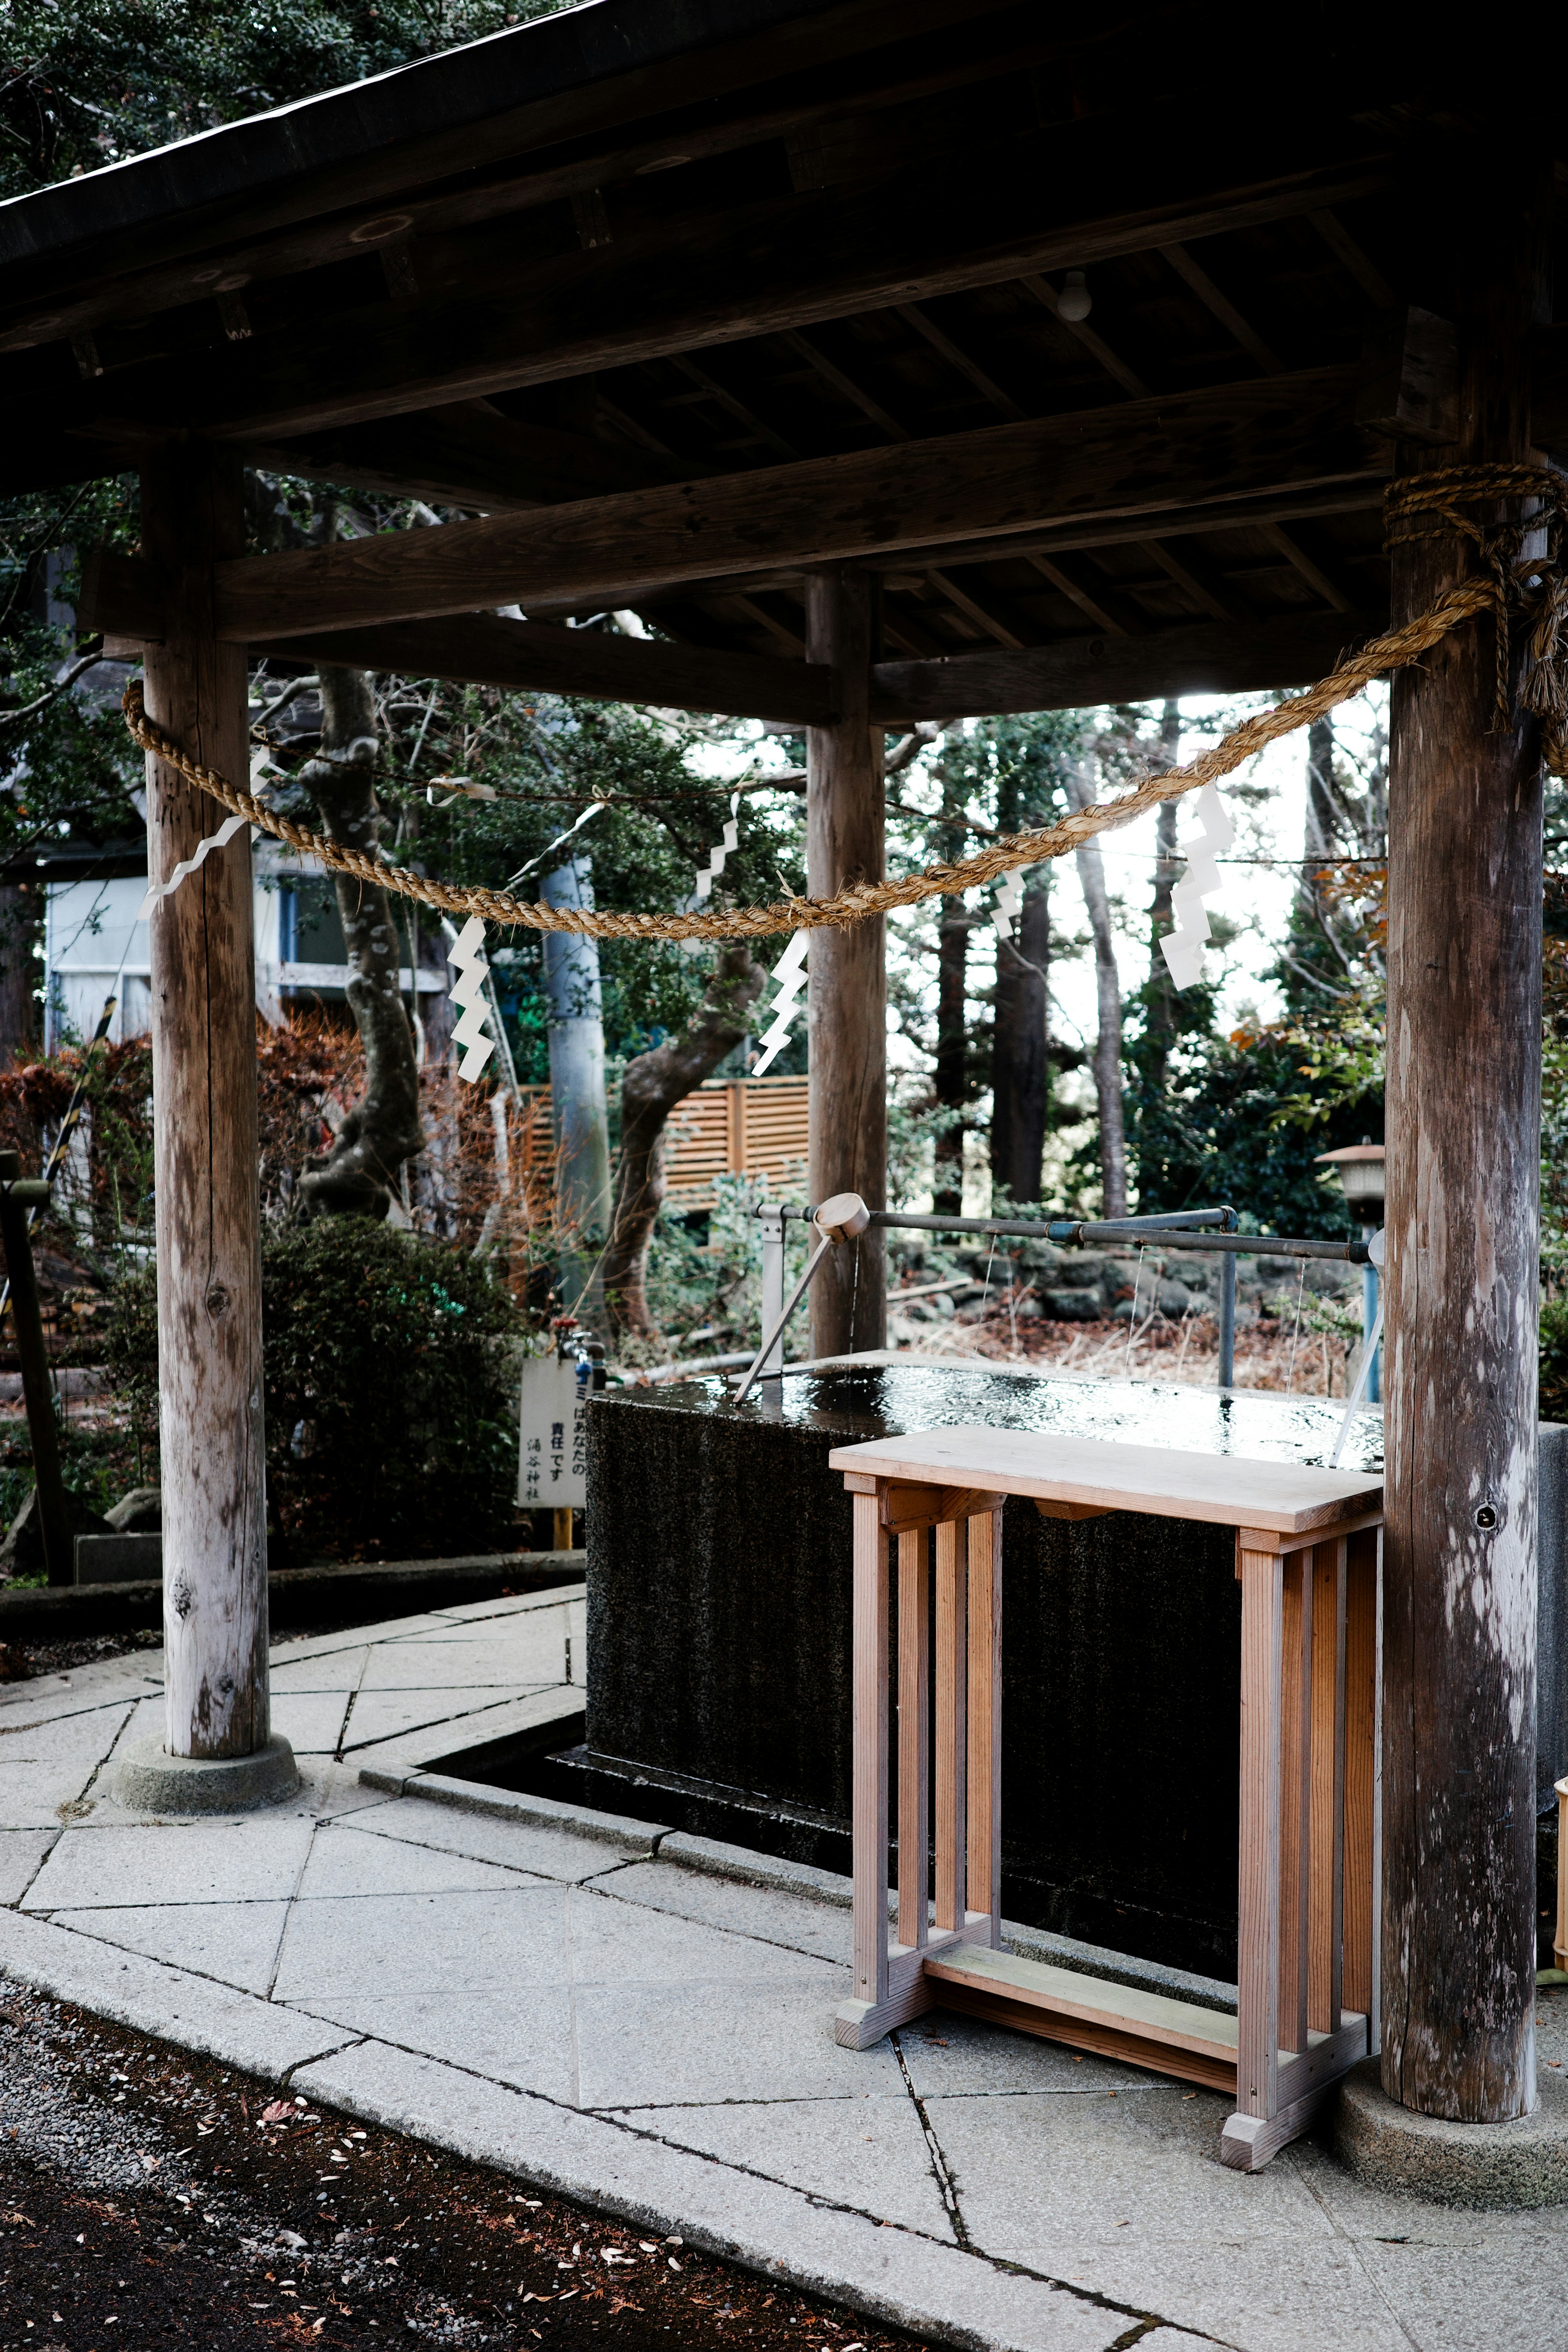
x: 147, y: 2196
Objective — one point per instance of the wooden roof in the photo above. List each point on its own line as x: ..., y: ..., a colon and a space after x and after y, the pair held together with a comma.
x: 592, y: 275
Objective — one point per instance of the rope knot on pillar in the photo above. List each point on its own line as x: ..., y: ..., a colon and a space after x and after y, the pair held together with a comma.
x: 1527, y: 592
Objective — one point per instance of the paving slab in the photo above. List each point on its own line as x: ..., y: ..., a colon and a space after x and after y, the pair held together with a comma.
x: 378, y: 1716
x: 648, y: 2045
x: 949, y: 2054
x: 234, y: 1943
x: 379, y: 1944
x: 617, y: 1943
x: 505, y: 1659
x: 867, y: 2153
x: 525, y: 2040
x: 248, y: 1858
x: 311, y: 1721
x: 22, y: 1854
x: 344, y: 1862
x: 792, y: 1921
x: 329, y: 1670
x: 1146, y: 2157
x: 46, y: 1765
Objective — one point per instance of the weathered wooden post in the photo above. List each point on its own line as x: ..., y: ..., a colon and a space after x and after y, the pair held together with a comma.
x: 847, y: 994
x: 1464, y: 1135
x: 217, y: 1751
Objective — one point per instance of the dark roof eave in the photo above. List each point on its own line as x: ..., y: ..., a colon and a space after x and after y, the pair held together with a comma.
x: 264, y: 154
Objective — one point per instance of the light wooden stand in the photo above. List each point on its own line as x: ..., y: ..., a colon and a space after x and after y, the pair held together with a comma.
x: 1308, y: 1558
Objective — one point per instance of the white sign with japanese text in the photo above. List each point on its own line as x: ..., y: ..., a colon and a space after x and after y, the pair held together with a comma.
x: 551, y: 1452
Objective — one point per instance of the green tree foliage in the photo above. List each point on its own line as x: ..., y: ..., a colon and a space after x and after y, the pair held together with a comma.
x: 391, y: 1419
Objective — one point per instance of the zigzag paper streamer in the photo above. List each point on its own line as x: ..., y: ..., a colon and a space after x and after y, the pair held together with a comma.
x: 468, y: 993
x: 157, y: 890
x: 1009, y: 898
x: 719, y: 852
x: 1183, y: 948
x: 790, y: 973
x: 716, y: 856
x: 260, y: 761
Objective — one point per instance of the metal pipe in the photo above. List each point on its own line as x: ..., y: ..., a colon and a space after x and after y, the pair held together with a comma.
x: 1059, y: 1229
x: 776, y: 1334
x: 1181, y: 1221
x: 773, y: 1288
x: 1186, y: 1236
x: 1228, y: 1324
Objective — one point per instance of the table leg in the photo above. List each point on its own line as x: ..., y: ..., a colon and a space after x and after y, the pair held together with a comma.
x: 914, y: 1734
x: 984, y: 1793
x: 1258, y: 2054
x: 870, y: 1738
x: 1361, y: 1873
x: 1295, y: 1794
x: 1325, y: 1929
x: 951, y: 1711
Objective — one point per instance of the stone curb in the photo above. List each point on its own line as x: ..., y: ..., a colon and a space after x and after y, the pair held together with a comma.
x: 1504, y: 2168
x: 536, y: 1812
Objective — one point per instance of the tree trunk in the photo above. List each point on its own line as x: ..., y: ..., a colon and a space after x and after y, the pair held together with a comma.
x: 204, y: 1138
x: 1464, y: 1151
x: 383, y: 1130
x: 1108, y: 1041
x: 1020, y: 1071
x: 846, y: 989
x: 1162, y: 992
x: 578, y: 1109
x: 951, y: 1077
x: 19, y: 910
x: 653, y: 1085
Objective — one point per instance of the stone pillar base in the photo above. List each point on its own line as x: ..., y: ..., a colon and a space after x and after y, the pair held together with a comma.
x: 1502, y: 2167
x: 150, y: 1780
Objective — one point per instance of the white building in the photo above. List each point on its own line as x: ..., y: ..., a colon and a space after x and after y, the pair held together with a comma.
x: 94, y: 947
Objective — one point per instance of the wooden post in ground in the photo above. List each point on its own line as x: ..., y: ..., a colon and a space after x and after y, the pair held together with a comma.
x: 205, y: 1141
x: 846, y: 994
x: 1464, y: 1139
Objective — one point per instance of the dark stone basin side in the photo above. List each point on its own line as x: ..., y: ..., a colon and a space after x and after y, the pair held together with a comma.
x: 719, y: 1638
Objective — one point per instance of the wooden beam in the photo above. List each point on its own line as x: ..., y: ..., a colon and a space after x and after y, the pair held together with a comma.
x: 1066, y: 198
x: 1204, y: 658
x: 532, y: 656
x: 1268, y: 436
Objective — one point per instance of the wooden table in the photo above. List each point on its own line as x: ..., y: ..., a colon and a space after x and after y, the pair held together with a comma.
x: 1307, y: 1548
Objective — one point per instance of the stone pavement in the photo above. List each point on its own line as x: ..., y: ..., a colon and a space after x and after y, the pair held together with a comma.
x: 612, y: 2012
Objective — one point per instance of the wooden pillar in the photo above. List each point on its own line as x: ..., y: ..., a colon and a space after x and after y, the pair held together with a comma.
x: 1464, y: 1112
x: 847, y: 994
x: 205, y: 1141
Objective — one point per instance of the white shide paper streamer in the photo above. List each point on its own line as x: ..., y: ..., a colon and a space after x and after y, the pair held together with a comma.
x: 1009, y: 898
x: 468, y: 993
x: 1183, y: 948
x: 790, y: 974
x: 260, y: 760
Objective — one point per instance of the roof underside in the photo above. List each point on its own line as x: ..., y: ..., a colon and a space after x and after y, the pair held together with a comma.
x: 637, y: 245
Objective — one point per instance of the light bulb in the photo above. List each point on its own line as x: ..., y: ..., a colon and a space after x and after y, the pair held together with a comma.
x: 1075, y: 301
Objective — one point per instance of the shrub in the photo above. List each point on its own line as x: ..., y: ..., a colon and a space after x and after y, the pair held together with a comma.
x: 391, y: 1426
